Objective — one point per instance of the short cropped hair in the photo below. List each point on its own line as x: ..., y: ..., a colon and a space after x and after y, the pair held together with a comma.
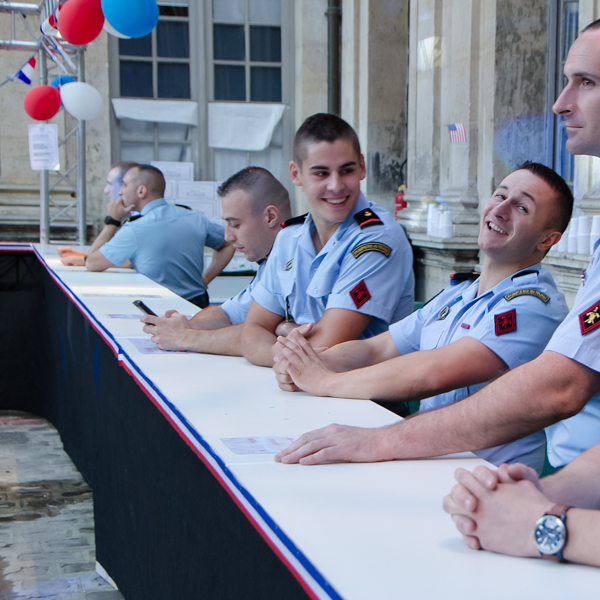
x: 123, y: 166
x: 262, y: 189
x: 152, y: 178
x: 564, y: 197
x: 592, y: 26
x: 322, y: 127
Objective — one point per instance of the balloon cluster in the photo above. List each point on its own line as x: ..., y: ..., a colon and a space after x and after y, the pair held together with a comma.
x: 80, y: 22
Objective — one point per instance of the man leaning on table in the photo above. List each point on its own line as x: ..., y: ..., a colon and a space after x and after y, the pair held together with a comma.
x: 469, y: 334
x: 165, y: 242
x: 346, y: 266
x: 114, y: 215
x: 557, y: 385
x: 254, y: 205
x: 511, y: 510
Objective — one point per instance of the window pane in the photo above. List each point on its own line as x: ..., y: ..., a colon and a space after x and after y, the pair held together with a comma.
x: 141, y: 153
x: 228, y: 162
x: 230, y: 83
x: 265, y: 11
x: 265, y: 44
x: 173, y: 80
x: 228, y: 42
x: 174, y: 152
x: 136, y: 130
x: 265, y: 84
x: 136, y: 79
x: 173, y: 11
x: 173, y: 39
x: 230, y: 11
x: 137, y: 46
x: 173, y: 131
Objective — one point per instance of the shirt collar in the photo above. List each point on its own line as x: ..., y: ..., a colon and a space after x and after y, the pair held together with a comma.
x: 152, y: 205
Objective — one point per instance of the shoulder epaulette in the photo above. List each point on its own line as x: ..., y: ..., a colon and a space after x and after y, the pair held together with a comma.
x: 134, y: 218
x: 460, y: 277
x: 529, y: 272
x: 366, y: 218
x: 294, y: 221
x: 183, y: 206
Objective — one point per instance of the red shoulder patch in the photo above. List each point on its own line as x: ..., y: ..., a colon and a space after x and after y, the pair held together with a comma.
x: 506, y: 322
x: 590, y: 319
x: 360, y: 294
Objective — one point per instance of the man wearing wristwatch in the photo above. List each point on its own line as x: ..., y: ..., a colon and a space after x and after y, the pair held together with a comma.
x: 165, y: 242
x: 510, y: 510
x: 114, y: 216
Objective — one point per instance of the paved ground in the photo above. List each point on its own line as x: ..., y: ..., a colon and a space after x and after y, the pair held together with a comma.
x: 46, y: 518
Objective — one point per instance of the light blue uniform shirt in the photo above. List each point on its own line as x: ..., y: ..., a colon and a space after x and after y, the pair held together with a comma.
x: 579, y: 338
x: 376, y: 280
x: 514, y: 337
x: 236, y: 308
x: 166, y: 244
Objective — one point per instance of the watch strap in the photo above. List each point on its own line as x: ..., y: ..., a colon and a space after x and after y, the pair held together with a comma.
x: 110, y: 221
x: 560, y: 511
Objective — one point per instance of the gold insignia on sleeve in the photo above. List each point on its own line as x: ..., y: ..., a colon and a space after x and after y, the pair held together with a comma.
x: 288, y: 265
x: 371, y: 247
x: 528, y: 292
x: 590, y: 319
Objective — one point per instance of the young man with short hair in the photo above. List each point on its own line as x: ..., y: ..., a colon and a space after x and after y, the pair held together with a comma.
x: 466, y: 336
x: 254, y: 204
x: 346, y: 267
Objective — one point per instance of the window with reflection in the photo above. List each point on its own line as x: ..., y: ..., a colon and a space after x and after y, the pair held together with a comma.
x: 247, y: 50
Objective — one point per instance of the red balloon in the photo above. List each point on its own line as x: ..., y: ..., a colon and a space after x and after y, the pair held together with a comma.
x: 81, y: 21
x: 42, y: 102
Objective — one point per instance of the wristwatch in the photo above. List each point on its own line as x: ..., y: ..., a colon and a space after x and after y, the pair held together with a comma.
x: 550, y: 533
x: 110, y: 221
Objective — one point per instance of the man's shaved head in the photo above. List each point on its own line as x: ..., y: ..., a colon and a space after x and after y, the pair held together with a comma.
x: 151, y: 177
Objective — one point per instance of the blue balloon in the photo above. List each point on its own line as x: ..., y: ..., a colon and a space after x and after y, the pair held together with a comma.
x: 61, y: 80
x: 134, y: 18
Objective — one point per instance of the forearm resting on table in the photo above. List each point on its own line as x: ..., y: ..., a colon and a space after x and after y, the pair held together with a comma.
x: 226, y: 341
x: 211, y: 317
x: 523, y: 401
x: 356, y: 354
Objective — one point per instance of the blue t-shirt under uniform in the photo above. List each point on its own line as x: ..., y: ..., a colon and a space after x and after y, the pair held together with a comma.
x: 166, y: 244
x: 515, y: 319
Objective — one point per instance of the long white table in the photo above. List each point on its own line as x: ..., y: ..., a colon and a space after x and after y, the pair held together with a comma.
x: 352, y: 531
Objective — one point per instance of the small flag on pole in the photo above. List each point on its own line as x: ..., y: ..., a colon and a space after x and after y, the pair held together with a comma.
x: 27, y: 71
x: 457, y: 132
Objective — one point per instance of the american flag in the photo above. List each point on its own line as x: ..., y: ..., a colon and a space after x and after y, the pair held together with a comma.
x: 457, y: 132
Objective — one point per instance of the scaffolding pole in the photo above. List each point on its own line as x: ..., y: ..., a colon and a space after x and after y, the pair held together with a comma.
x: 81, y: 166
x: 44, y: 178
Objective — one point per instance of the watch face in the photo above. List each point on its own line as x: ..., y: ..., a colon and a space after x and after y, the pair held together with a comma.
x: 550, y: 534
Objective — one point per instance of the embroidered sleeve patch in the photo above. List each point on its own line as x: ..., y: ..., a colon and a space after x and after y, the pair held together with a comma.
x: 506, y: 322
x: 528, y: 292
x: 590, y: 319
x: 371, y: 247
x: 360, y: 294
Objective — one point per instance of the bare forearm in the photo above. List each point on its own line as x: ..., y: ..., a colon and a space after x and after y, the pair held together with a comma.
x: 225, y: 341
x: 211, y: 317
x: 258, y: 345
x: 356, y: 354
x: 583, y: 544
x: 521, y: 402
x: 107, y: 233
x: 220, y: 260
x: 578, y: 484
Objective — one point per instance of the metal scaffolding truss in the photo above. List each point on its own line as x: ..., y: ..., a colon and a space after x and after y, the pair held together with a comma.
x: 68, y: 60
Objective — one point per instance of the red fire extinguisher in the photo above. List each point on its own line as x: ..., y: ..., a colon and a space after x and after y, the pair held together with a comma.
x: 400, y: 202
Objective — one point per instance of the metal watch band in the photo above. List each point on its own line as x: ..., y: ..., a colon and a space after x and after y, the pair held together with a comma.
x: 560, y: 511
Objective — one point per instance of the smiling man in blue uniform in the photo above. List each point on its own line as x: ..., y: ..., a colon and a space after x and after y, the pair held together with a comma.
x: 467, y: 335
x: 166, y: 242
x: 345, y: 268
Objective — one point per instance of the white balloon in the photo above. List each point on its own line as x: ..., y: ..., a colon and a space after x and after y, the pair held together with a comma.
x: 108, y: 27
x: 81, y: 100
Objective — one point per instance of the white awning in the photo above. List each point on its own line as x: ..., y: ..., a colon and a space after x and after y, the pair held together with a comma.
x: 161, y: 111
x: 241, y: 126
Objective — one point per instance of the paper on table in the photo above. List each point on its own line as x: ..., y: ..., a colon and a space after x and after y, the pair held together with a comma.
x: 145, y: 346
x: 122, y: 295
x: 258, y: 444
x: 132, y: 316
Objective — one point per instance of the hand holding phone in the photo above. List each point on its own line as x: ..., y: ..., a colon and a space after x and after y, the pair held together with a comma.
x: 139, y: 304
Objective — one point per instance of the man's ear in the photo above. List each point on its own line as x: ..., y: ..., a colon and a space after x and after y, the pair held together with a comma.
x: 295, y: 172
x: 550, y: 240
x: 142, y: 191
x: 272, y: 216
x: 363, y: 169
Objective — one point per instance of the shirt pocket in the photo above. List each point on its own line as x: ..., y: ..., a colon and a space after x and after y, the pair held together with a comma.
x: 432, y: 332
x: 323, y: 282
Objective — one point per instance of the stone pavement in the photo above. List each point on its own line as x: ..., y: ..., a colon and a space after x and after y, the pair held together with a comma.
x: 46, y: 517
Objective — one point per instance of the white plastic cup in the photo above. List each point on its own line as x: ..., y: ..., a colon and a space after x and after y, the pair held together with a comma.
x: 430, y: 217
x: 446, y: 229
x: 572, y: 238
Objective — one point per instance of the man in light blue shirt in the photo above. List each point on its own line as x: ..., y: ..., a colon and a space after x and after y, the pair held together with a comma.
x: 254, y: 205
x: 166, y: 242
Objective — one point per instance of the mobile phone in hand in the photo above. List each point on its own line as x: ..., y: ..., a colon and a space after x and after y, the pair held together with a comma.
x: 144, y: 308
